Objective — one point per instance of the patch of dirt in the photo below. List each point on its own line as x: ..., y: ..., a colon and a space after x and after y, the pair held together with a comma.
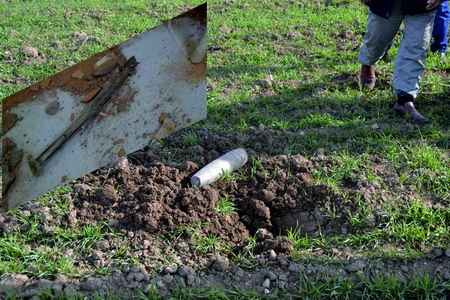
x: 147, y: 198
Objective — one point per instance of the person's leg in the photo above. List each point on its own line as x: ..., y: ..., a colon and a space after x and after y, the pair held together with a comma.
x: 379, y: 34
x: 440, y: 29
x: 409, y: 64
x: 446, y: 14
x: 386, y: 57
x: 405, y: 106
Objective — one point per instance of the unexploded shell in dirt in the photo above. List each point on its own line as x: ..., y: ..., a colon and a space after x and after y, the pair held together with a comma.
x: 228, y: 162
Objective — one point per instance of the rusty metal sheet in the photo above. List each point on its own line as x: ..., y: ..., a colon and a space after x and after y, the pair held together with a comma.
x: 112, y: 104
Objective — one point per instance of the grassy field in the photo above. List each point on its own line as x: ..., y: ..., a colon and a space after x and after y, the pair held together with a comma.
x: 279, y: 65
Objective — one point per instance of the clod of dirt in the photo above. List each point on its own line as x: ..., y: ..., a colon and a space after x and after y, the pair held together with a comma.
x: 78, y: 74
x: 105, y: 65
x: 57, y: 45
x: 13, y: 32
x: 52, y: 108
x: 30, y: 51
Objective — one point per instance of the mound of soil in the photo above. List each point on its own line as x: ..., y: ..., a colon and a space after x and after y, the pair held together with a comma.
x: 179, y: 237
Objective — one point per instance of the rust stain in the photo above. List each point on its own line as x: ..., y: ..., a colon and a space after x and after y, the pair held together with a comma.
x: 11, y: 158
x: 162, y: 117
x: 91, y: 94
x: 121, y: 101
x: 124, y: 100
x: 121, y: 152
x: 65, y: 80
x: 8, y: 145
x: 166, y: 129
x: 72, y: 116
x: 118, y: 141
x: 9, y: 120
x: 186, y: 71
x: 64, y: 178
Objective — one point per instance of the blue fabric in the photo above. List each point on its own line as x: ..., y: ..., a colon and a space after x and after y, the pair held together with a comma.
x: 440, y: 29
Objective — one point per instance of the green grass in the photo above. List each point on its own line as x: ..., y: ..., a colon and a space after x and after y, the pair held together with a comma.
x: 226, y: 206
x: 38, y: 251
x: 308, y: 51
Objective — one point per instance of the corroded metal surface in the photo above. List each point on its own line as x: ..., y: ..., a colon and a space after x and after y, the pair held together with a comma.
x: 166, y: 92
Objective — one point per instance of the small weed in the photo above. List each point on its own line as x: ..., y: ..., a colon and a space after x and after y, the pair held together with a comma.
x: 300, y: 241
x: 191, y: 138
x: 225, y: 206
x: 228, y: 176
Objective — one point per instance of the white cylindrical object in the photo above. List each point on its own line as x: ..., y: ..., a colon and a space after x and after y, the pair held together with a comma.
x: 228, y: 162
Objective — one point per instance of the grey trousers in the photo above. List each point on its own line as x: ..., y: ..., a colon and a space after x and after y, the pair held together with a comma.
x: 409, y: 63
